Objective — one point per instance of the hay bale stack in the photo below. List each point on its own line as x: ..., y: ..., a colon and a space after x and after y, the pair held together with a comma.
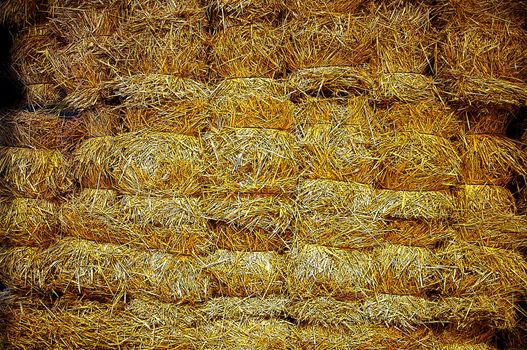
x: 263, y: 174
x: 175, y: 225
x: 482, y: 62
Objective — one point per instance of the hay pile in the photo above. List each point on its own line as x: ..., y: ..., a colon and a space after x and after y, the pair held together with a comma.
x: 249, y: 174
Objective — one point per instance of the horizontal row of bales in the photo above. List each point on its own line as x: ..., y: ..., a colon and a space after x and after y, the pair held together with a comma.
x: 87, y: 53
x: 263, y: 175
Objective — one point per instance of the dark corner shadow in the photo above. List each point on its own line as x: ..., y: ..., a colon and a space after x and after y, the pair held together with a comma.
x: 11, y: 89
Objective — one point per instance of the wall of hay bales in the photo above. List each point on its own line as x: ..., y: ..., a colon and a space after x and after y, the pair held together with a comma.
x: 248, y: 174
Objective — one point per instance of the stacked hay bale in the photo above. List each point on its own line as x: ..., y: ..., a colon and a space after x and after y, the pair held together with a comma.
x: 252, y: 160
x: 281, y: 174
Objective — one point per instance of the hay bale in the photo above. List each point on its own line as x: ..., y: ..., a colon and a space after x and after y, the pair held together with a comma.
x: 337, y: 214
x: 484, y: 63
x: 152, y: 162
x: 27, y: 222
x: 328, y: 39
x: 175, y: 225
x: 93, y: 161
x: 406, y: 270
x: 30, y: 55
x: 404, y: 37
x: 35, y: 129
x: 321, y: 271
x: 477, y: 270
x: 490, y: 159
x: 223, y: 14
x: 86, y: 325
x: 157, y: 41
x: 156, y: 90
x: 247, y: 51
x: 405, y: 87
x: 74, y: 266
x: 372, y: 337
x: 481, y: 200
x: 185, y: 117
x: 252, y: 102
x: 417, y: 161
x: 236, y: 308
x: 108, y: 270
x: 427, y: 117
x: 34, y: 173
x: 70, y: 323
x: 428, y: 205
x: 404, y: 312
x: 497, y: 230
x: 21, y: 268
x: 340, y: 152
x: 18, y: 13
x: 255, y: 334
x: 241, y: 274
x: 81, y: 69
x: 331, y: 81
x: 251, y: 160
x: 250, y: 223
